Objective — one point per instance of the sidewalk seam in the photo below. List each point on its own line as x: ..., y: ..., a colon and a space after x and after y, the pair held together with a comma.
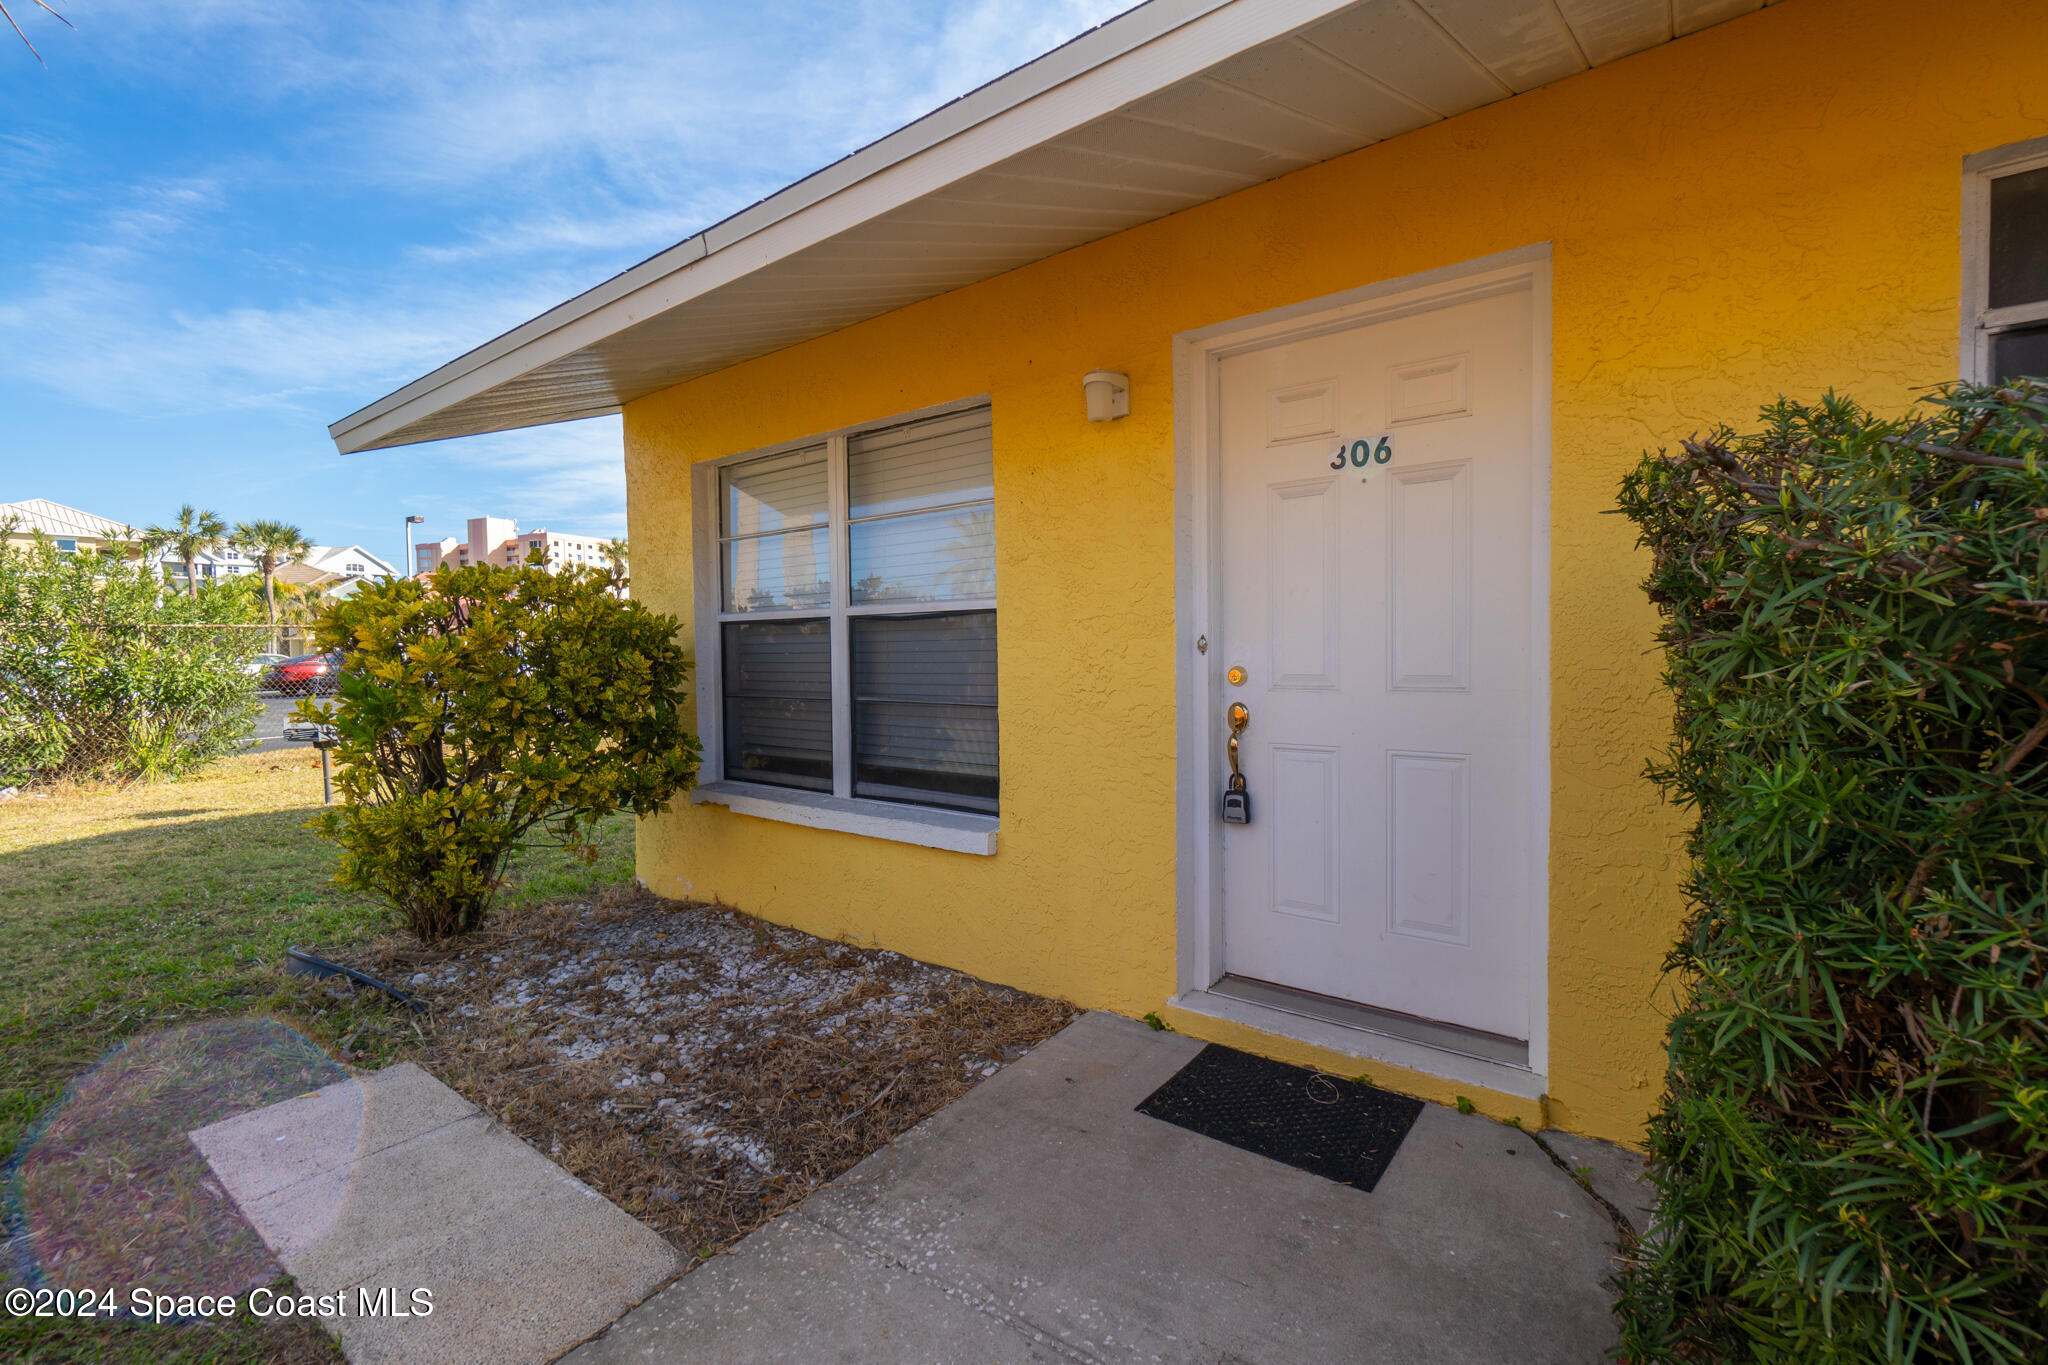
x: 355, y: 1159
x: 1013, y: 1322
x: 1625, y: 1236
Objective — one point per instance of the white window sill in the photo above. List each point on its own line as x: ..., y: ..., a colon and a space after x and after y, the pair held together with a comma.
x: 957, y: 831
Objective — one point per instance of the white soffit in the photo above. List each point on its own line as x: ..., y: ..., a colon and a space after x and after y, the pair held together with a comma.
x: 1171, y: 105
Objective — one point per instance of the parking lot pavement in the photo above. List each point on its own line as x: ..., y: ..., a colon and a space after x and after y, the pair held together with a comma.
x: 270, y: 725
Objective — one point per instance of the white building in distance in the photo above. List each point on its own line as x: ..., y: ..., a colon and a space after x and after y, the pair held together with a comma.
x: 72, y: 530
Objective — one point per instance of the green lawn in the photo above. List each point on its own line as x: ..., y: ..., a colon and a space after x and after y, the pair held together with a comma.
x: 125, y: 912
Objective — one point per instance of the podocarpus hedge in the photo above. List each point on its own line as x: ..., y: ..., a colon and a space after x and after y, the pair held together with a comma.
x: 1852, y: 1148
x: 486, y: 707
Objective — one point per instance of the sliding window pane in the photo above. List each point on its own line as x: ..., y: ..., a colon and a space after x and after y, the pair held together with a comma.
x: 937, y: 462
x: 2021, y: 352
x: 923, y: 525
x: 2019, y: 238
x: 778, y: 493
x: 778, y: 702
x: 929, y: 557
x: 779, y: 573
x: 924, y: 709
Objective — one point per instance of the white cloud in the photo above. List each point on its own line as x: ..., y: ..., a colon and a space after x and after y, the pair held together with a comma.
x: 556, y: 143
x: 32, y: 160
x: 569, y: 477
x: 556, y: 231
x: 100, y: 327
x: 658, y: 100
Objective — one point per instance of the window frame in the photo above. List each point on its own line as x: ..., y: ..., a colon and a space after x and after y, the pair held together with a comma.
x: 1981, y: 322
x: 934, y: 826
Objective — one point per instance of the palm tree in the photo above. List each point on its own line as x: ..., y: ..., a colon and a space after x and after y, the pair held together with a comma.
x: 614, y: 552
x: 270, y: 543
x: 297, y: 605
x: 23, y: 36
x: 970, y: 554
x: 194, y: 534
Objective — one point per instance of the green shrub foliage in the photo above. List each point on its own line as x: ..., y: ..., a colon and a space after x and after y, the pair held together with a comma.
x: 486, y: 706
x: 1852, y: 1146
x: 107, y: 674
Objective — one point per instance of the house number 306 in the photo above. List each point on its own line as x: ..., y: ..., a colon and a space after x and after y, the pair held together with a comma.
x: 1363, y: 453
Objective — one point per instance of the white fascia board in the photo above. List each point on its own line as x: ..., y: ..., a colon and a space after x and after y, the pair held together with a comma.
x: 1127, y: 59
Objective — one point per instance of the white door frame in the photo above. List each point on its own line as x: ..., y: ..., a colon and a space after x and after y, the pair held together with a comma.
x: 1199, y: 682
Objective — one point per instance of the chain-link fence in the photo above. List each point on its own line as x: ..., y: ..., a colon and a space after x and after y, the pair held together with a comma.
x: 82, y: 701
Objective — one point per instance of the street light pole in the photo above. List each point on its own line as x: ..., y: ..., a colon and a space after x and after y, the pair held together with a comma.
x: 410, y: 567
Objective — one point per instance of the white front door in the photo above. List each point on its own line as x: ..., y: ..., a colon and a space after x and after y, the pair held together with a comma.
x: 1380, y: 613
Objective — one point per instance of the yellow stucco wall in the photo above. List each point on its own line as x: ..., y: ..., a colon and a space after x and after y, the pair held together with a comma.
x: 1769, y: 206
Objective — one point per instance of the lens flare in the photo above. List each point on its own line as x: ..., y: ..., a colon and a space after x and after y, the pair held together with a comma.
x: 108, y: 1190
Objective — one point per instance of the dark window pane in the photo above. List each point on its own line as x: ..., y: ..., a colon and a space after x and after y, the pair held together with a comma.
x: 778, y: 702
x: 2019, y: 238
x: 924, y: 709
x: 2022, y: 351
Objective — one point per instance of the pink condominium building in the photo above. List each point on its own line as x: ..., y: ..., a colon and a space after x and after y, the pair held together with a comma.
x: 498, y: 540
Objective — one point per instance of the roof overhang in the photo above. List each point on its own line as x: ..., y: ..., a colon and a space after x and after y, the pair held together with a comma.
x: 1170, y: 105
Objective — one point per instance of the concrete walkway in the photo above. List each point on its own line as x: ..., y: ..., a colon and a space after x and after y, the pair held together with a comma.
x: 1041, y: 1219
x: 376, y: 1187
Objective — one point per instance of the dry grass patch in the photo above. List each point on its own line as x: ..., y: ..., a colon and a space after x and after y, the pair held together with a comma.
x: 702, y: 1069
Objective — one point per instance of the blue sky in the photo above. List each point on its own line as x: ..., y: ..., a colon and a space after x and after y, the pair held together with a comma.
x: 227, y: 223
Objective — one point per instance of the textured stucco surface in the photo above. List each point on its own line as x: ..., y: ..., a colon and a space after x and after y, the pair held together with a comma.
x: 1769, y: 206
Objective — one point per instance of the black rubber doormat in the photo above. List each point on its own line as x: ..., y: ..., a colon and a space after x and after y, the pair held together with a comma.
x: 1341, y: 1130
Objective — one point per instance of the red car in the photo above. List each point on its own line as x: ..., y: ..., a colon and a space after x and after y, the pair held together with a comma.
x: 304, y: 674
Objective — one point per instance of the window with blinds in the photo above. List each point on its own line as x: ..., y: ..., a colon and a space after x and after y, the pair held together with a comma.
x: 2006, y: 265
x: 857, y: 614
x: 778, y: 701
x: 2018, y: 277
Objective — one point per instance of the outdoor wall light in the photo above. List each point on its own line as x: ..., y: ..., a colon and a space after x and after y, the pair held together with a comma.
x: 1109, y: 395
